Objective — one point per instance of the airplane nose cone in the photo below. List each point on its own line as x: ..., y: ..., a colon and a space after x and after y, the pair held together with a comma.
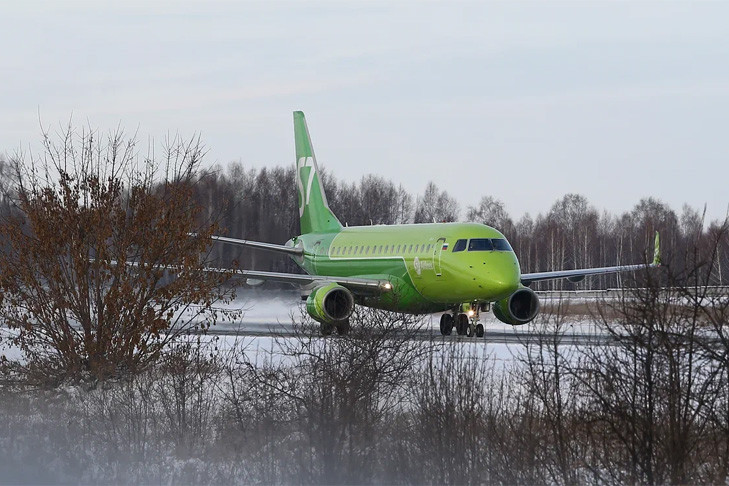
x: 494, y: 278
x: 501, y: 279
x: 503, y: 285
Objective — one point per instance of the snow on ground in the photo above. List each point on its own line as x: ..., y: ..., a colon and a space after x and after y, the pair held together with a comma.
x: 258, y: 314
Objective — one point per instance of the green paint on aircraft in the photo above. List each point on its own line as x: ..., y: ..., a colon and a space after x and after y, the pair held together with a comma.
x: 314, y: 212
x: 419, y: 260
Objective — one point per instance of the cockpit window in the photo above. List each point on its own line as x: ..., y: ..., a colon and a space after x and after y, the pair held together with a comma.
x: 480, y: 244
x: 501, y: 245
x: 459, y: 246
x: 487, y: 244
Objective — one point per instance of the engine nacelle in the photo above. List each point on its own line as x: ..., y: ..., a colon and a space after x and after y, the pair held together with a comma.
x: 330, y: 303
x: 519, y: 308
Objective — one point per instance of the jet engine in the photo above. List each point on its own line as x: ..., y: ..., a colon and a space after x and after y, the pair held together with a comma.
x: 330, y: 303
x: 519, y: 308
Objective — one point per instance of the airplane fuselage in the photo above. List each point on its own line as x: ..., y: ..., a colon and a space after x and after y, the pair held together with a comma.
x: 432, y: 267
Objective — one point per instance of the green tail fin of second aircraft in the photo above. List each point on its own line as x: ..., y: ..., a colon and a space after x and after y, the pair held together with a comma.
x: 657, y: 251
x: 314, y: 212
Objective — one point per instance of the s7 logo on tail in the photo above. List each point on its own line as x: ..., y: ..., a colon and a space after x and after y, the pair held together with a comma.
x: 305, y: 195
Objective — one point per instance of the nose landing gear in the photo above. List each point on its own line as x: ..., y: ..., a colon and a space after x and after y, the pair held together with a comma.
x: 466, y: 321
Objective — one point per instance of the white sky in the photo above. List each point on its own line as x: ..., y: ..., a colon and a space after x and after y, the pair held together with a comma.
x: 522, y: 101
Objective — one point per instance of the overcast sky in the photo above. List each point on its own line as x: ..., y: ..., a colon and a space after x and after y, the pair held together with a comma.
x: 522, y: 101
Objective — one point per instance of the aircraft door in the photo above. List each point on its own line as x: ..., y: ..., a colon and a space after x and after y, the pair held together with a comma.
x: 437, y: 253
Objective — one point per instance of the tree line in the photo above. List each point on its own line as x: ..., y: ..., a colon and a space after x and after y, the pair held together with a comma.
x: 260, y: 204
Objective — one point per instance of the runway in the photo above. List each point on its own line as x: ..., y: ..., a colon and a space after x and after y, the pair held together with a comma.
x: 274, y: 313
x: 260, y: 328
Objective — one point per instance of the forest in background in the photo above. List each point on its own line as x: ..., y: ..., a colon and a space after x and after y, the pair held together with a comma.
x: 260, y: 204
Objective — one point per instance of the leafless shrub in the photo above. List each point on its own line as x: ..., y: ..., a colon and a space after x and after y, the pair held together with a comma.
x: 450, y: 417
x: 325, y: 401
x: 647, y: 397
x: 85, y: 272
x: 545, y: 376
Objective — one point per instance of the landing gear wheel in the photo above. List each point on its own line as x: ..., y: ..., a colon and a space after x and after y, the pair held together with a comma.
x: 462, y: 324
x: 470, y: 330
x: 343, y: 327
x: 479, y: 330
x: 446, y: 324
x: 326, y: 329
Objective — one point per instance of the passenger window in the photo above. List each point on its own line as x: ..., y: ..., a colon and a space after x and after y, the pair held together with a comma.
x: 480, y: 244
x: 459, y: 246
x: 380, y: 248
x: 410, y: 250
x: 501, y: 244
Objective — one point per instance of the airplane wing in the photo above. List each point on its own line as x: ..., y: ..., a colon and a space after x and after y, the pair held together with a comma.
x: 358, y: 285
x: 355, y: 284
x: 291, y: 250
x: 579, y: 274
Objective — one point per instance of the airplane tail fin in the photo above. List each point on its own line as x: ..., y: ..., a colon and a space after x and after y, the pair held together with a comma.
x: 314, y: 213
x: 656, y: 251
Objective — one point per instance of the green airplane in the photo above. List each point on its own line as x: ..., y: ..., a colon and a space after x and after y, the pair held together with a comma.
x: 460, y: 268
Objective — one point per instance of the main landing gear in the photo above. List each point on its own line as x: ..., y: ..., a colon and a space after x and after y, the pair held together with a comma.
x: 466, y: 322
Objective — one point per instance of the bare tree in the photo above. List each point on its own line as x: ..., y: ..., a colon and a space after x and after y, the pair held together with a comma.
x: 492, y: 212
x: 435, y: 206
x: 100, y: 272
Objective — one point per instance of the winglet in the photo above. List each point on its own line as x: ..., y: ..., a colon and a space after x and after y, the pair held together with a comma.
x: 657, y: 251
